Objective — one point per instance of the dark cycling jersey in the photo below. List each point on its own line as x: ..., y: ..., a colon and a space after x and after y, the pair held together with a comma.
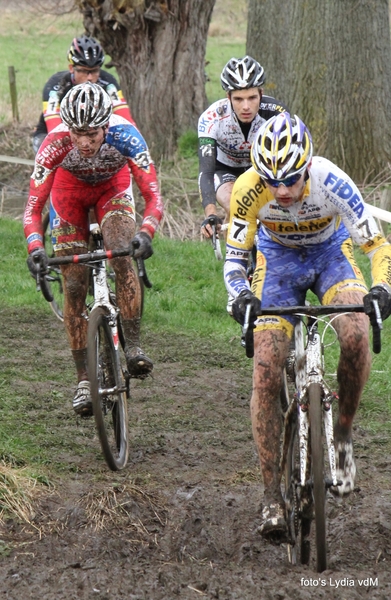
x: 123, y: 146
x: 60, y: 83
x: 221, y: 140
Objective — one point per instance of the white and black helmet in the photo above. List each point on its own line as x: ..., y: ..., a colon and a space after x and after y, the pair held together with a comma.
x: 86, y: 106
x: 241, y: 74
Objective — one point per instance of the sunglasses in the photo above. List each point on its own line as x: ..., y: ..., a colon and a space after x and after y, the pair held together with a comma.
x: 87, y: 71
x: 288, y: 182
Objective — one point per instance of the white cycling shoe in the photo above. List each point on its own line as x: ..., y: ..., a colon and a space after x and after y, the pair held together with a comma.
x: 82, y: 404
x: 346, y: 468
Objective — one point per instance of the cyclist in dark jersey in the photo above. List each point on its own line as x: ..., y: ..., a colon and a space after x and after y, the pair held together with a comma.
x: 226, y: 131
x: 89, y: 161
x: 85, y: 57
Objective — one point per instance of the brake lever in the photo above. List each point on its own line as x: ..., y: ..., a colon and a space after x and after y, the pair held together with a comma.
x: 216, y: 243
x: 247, y: 339
x: 377, y: 326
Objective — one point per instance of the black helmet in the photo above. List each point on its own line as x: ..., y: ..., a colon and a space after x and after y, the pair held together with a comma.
x: 86, y: 106
x: 86, y: 52
x: 241, y: 74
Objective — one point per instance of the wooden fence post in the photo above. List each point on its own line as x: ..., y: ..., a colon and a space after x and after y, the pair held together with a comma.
x: 14, y: 96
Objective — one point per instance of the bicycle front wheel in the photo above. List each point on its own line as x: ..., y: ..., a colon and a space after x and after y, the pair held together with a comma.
x: 319, y: 490
x: 108, y: 390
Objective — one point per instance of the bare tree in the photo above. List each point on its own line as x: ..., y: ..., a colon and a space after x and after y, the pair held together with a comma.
x: 331, y: 63
x: 158, y: 48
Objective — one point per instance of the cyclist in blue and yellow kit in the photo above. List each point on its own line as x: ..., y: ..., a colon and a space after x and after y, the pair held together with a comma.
x: 309, y: 212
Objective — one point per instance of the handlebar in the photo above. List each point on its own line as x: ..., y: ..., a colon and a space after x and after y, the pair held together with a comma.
x: 89, y: 258
x: 247, y: 338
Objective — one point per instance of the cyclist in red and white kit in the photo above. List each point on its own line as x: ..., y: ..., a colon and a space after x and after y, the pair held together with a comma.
x: 85, y: 58
x: 88, y: 162
x: 226, y: 131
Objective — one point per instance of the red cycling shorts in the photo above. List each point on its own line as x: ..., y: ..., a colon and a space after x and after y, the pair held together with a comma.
x: 71, y: 200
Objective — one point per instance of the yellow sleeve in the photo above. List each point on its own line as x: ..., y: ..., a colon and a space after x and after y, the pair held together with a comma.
x: 378, y: 251
x: 246, y: 200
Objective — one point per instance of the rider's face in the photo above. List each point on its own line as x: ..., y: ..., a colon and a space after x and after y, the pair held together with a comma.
x: 246, y: 103
x: 287, y: 196
x: 83, y: 74
x: 88, y: 142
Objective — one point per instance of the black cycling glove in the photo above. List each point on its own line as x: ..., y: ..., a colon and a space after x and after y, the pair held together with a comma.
x: 142, y: 245
x: 37, y: 262
x: 212, y: 220
x: 383, y: 297
x: 239, y: 306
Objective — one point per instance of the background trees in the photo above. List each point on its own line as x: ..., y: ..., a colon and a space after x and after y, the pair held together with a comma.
x: 331, y: 63
x: 158, y: 49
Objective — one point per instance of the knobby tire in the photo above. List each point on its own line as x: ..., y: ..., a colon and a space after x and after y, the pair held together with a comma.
x: 298, y: 506
x: 108, y: 390
x: 319, y: 490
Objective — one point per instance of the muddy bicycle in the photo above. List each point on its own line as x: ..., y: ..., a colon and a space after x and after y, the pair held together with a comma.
x: 54, y: 277
x: 108, y: 375
x: 306, y: 403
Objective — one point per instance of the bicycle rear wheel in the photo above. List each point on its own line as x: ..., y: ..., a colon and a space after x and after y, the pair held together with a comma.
x: 108, y: 390
x: 319, y: 490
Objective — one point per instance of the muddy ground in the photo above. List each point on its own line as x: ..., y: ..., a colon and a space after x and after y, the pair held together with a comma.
x: 181, y: 520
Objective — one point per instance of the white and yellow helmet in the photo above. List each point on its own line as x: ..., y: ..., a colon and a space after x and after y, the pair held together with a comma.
x: 282, y: 147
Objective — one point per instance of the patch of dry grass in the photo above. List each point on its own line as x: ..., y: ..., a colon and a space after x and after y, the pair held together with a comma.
x: 19, y: 494
x: 125, y: 508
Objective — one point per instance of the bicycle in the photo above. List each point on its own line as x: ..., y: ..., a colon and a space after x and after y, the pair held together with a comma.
x: 305, y: 410
x: 108, y: 376
x: 54, y: 276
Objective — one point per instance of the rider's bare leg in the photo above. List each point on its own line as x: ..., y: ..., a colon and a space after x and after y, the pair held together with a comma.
x: 223, y: 197
x: 355, y: 358
x: 75, y: 291
x: 270, y: 351
x: 118, y: 230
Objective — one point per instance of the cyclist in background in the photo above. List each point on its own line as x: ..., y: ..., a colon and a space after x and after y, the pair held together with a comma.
x: 88, y: 161
x: 85, y: 58
x: 226, y: 131
x: 309, y: 211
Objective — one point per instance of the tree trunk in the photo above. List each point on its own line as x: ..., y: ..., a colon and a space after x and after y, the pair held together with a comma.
x: 158, y: 49
x: 359, y: 87
x: 330, y: 62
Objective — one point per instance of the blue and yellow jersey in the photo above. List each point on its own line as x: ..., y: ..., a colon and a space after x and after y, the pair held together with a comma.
x: 331, y: 203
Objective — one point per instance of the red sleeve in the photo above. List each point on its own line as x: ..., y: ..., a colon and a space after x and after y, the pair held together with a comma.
x: 52, y: 121
x: 123, y: 110
x: 146, y: 179
x: 51, y: 153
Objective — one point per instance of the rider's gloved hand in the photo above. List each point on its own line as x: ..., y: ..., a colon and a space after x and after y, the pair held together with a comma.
x: 381, y: 293
x: 239, y: 307
x: 37, y: 262
x: 212, y: 220
x: 142, y: 244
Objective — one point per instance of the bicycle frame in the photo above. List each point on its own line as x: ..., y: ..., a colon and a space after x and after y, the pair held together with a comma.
x: 109, y: 379
x: 307, y: 409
